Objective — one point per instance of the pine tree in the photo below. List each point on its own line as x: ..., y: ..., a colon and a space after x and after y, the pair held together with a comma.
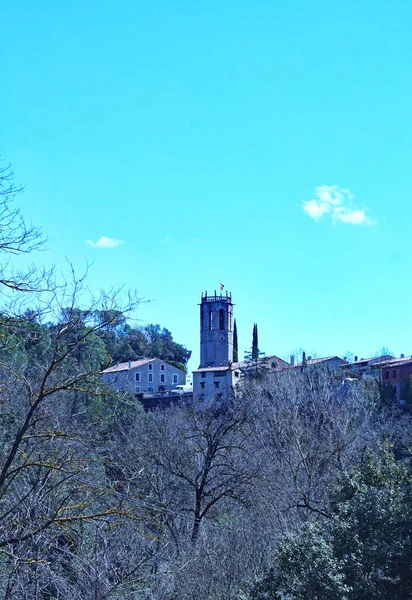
x: 235, y: 344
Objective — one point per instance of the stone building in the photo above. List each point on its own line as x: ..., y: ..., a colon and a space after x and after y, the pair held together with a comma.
x: 145, y: 375
x: 216, y: 375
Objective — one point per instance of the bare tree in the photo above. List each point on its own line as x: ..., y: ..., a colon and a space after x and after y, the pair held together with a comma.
x: 201, y: 449
x: 17, y: 237
x: 309, y: 428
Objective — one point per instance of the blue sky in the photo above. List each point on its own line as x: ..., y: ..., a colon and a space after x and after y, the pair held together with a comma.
x: 264, y: 145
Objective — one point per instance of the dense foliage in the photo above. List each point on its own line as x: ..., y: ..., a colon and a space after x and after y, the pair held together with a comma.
x: 25, y: 337
x: 363, y: 551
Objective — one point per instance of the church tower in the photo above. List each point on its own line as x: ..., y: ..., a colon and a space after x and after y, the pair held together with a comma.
x: 216, y: 330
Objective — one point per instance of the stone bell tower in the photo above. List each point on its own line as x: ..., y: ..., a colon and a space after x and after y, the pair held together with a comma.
x: 216, y: 330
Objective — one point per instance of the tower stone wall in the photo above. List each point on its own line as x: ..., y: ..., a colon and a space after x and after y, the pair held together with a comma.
x: 216, y: 330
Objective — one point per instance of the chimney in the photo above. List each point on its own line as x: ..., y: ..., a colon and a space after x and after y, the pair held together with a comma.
x: 402, y: 356
x: 292, y: 360
x: 355, y: 359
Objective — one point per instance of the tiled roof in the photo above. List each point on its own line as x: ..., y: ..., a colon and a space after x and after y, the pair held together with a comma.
x: 315, y: 361
x: 265, y: 360
x: 372, y: 360
x: 394, y: 362
x: 131, y: 364
x: 380, y: 361
x: 204, y: 369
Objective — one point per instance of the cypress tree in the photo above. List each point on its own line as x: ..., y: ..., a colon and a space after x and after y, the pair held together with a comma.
x: 255, y: 346
x: 235, y: 344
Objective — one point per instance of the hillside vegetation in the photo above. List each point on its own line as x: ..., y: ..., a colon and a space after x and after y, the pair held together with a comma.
x: 297, y: 489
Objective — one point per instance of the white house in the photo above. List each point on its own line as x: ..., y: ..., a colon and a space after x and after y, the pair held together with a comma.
x: 145, y: 375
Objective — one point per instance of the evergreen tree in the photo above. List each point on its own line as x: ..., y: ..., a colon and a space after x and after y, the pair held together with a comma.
x: 407, y: 391
x: 235, y: 344
x: 255, y: 345
x: 257, y: 366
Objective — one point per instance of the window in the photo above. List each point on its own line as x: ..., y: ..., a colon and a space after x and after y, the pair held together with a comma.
x: 210, y: 319
x: 217, y: 384
x: 219, y: 373
x: 162, y: 377
x: 221, y: 318
x: 162, y: 367
x: 386, y: 374
x: 137, y: 376
x: 175, y: 378
x: 202, y: 385
x: 150, y: 377
x: 236, y: 373
x: 394, y: 373
x: 150, y: 389
x: 137, y: 389
x: 150, y: 365
x: 203, y: 375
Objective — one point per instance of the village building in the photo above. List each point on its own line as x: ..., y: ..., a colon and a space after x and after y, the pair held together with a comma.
x: 216, y: 375
x: 148, y: 375
x: 332, y: 363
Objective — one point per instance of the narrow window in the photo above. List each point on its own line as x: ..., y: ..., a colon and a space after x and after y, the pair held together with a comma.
x: 150, y: 366
x: 162, y: 367
x: 202, y: 385
x: 221, y: 319
x: 137, y: 389
x: 137, y: 376
x: 217, y: 384
x: 386, y: 374
x: 394, y: 373
x: 150, y: 377
x: 203, y: 375
x: 210, y: 319
x: 175, y: 378
x: 162, y: 377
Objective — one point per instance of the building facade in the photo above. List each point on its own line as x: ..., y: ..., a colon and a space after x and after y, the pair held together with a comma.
x: 215, y: 376
x: 396, y: 373
x: 216, y: 330
x: 145, y: 375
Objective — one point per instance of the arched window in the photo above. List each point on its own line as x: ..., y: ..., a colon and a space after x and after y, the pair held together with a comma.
x: 221, y: 319
x: 210, y: 319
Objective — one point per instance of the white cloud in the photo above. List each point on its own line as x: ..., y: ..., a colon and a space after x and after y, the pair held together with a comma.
x: 105, y: 242
x: 315, y: 209
x: 338, y: 203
